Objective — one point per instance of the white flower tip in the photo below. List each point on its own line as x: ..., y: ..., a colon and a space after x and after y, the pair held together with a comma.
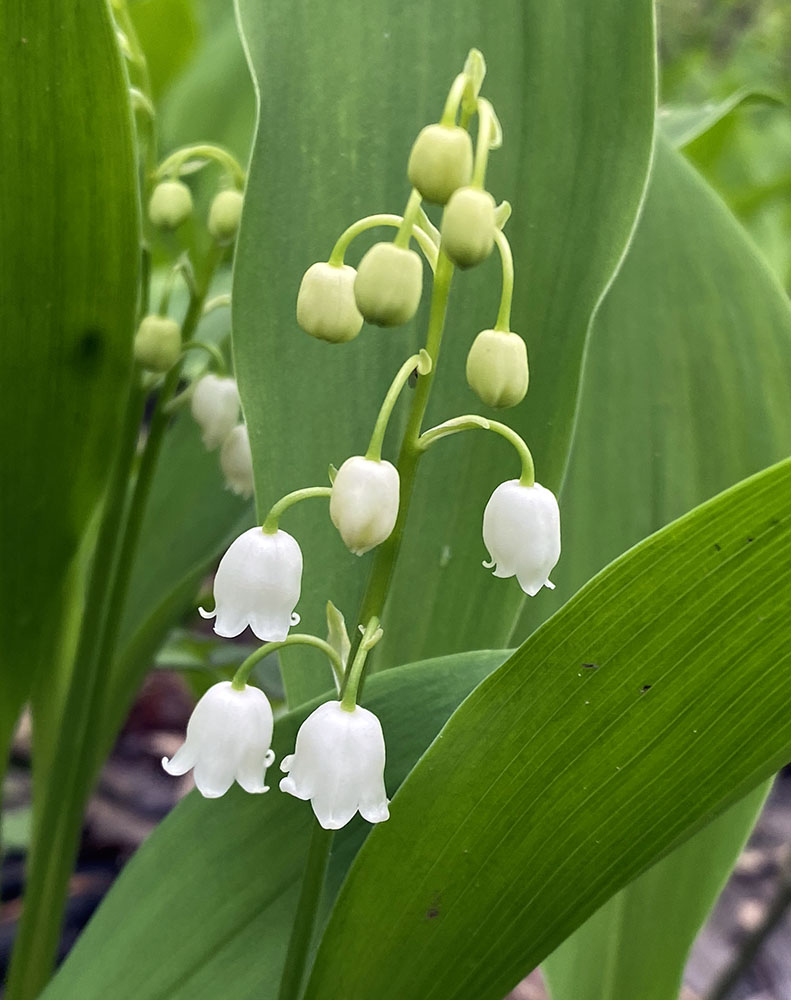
x: 285, y: 766
x: 295, y: 619
x: 488, y: 563
x: 206, y: 614
x: 379, y: 813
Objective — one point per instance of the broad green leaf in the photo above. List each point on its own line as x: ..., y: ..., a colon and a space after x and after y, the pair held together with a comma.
x: 649, y: 703
x: 681, y: 124
x: 693, y: 315
x: 206, y: 903
x: 637, y: 943
x: 332, y: 145
x: 68, y: 287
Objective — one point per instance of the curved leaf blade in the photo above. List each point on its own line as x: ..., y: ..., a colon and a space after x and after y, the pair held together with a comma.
x: 651, y: 701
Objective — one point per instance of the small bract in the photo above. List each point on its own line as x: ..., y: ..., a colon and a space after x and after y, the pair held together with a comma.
x: 339, y: 764
x: 440, y: 161
x: 215, y: 407
x: 468, y: 227
x: 258, y: 584
x: 521, y: 530
x: 326, y: 308
x: 364, y: 502
x: 157, y: 343
x: 389, y: 284
x: 170, y: 204
x: 225, y: 214
x: 229, y: 736
x: 497, y: 369
x: 236, y: 462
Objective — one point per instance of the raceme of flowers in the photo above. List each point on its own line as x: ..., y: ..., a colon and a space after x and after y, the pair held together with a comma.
x: 339, y: 759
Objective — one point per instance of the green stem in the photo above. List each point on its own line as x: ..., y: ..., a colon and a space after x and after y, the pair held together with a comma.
x: 181, y: 268
x: 58, y: 823
x: 453, y: 101
x: 241, y: 676
x: 409, y: 456
x: 411, y: 215
x: 485, y: 128
x: 212, y: 349
x: 371, y: 636
x: 217, y: 303
x: 172, y: 165
x: 423, y: 236
x: 503, y: 321
x: 418, y: 362
x: 307, y: 913
x: 59, y: 812
x: 269, y: 527
x: 472, y: 422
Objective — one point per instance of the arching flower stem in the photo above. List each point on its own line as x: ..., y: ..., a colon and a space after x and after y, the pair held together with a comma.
x: 242, y: 675
x: 173, y: 165
x: 472, y: 422
x: 424, y: 237
x: 503, y: 321
x: 269, y: 526
x: 420, y: 362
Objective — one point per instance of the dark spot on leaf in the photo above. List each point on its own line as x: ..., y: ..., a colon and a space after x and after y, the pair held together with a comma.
x: 749, y: 539
x: 717, y: 546
x: 645, y: 687
x: 433, y: 911
x: 89, y: 348
x: 590, y: 666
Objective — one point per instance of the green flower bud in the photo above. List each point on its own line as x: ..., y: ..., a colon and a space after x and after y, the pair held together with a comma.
x: 225, y: 215
x: 170, y: 204
x: 440, y: 162
x: 325, y: 304
x: 389, y: 284
x: 158, y: 343
x: 497, y: 368
x: 468, y: 227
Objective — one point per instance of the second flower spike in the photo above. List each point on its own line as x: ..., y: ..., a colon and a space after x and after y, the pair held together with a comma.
x: 258, y: 584
x: 364, y: 502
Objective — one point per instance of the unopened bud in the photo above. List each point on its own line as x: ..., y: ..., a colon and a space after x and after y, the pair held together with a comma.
x: 225, y: 215
x: 215, y: 407
x: 468, y: 227
x: 157, y: 343
x: 364, y: 502
x: 440, y: 162
x: 236, y: 462
x: 170, y: 204
x: 325, y: 304
x: 389, y: 284
x: 497, y: 368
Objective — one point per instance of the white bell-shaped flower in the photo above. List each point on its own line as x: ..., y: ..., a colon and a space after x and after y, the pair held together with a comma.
x: 521, y: 530
x: 364, y: 502
x: 339, y: 765
x: 229, y: 736
x: 215, y: 407
x: 257, y: 584
x: 236, y: 462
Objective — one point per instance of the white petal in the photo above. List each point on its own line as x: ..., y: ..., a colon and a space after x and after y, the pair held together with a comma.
x: 213, y: 777
x: 364, y: 502
x: 521, y: 530
x: 181, y: 761
x: 215, y: 408
x: 236, y: 461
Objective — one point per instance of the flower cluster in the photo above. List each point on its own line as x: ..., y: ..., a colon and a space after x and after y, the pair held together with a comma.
x: 339, y: 759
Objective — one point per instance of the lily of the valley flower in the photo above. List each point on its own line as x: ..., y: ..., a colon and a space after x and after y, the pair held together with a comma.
x: 521, y: 530
x: 236, y: 462
x: 258, y: 583
x: 364, y: 502
x: 215, y: 407
x: 229, y: 736
x: 339, y: 765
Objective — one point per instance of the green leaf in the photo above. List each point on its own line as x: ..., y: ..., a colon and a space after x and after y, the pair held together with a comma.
x: 636, y: 945
x: 68, y: 287
x: 684, y: 123
x: 694, y: 313
x: 654, y: 699
x: 343, y: 127
x: 206, y: 903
